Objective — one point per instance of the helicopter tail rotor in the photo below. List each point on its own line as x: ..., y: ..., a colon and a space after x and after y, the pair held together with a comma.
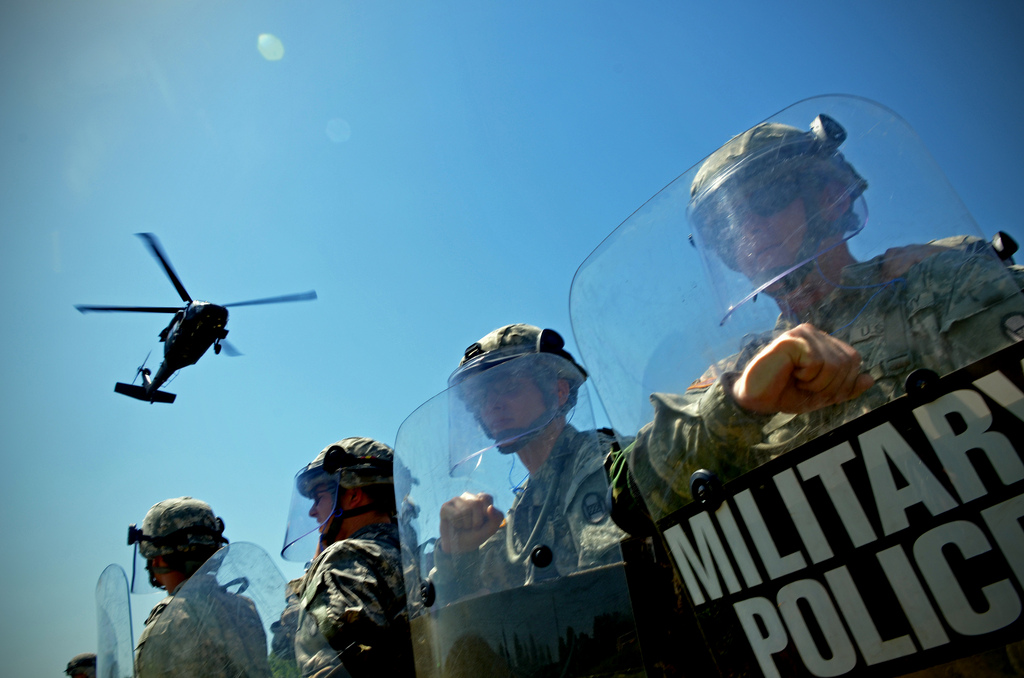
x: 146, y: 391
x: 143, y: 371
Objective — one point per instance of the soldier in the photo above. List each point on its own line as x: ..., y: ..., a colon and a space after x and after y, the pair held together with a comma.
x: 779, y: 205
x: 773, y: 214
x: 352, y: 617
x: 82, y: 666
x: 519, y: 384
x: 199, y: 629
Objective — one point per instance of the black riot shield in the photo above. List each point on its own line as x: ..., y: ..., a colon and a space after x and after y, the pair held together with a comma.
x: 764, y: 242
x: 114, y: 646
x: 218, y: 622
x: 888, y: 545
x: 546, y: 593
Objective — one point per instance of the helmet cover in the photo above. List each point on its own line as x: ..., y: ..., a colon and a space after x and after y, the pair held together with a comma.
x: 82, y: 665
x: 180, y: 525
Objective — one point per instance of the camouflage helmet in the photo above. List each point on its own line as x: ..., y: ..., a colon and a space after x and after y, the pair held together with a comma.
x: 513, y: 341
x: 82, y: 665
x: 764, y: 157
x: 356, y: 461
x: 179, y: 525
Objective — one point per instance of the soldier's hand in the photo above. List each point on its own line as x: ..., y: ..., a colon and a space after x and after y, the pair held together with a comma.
x: 467, y: 521
x: 803, y: 370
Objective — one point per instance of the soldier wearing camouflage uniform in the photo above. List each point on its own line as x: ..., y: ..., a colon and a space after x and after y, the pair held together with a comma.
x: 778, y: 205
x: 82, y: 666
x: 850, y: 333
x: 199, y: 630
x: 562, y: 504
x: 351, y: 618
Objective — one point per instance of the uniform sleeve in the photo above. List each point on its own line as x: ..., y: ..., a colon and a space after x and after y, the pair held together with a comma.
x: 349, y: 598
x: 703, y: 428
x: 980, y: 304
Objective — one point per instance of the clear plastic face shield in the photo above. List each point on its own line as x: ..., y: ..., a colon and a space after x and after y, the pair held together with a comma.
x: 141, y: 579
x: 778, y: 238
x: 313, y: 504
x: 464, y: 441
x: 504, y: 406
x: 763, y: 223
x: 140, y: 582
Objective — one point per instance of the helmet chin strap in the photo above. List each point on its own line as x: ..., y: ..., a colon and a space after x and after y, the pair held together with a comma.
x: 330, y: 535
x: 519, y: 438
x: 810, y: 249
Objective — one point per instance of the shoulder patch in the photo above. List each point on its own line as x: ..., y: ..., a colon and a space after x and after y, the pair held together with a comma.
x: 594, y: 509
x: 703, y: 382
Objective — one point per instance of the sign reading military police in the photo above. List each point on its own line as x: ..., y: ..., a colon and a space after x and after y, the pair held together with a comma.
x: 890, y: 544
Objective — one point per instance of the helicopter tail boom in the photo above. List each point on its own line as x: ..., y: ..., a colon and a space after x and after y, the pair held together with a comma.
x: 140, y: 393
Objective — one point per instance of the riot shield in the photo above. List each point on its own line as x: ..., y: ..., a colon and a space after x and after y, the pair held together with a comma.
x: 889, y: 545
x: 114, y: 645
x: 674, y: 306
x: 218, y: 622
x: 546, y: 593
x: 656, y: 309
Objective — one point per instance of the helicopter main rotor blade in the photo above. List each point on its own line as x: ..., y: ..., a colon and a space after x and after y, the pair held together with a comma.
x: 158, y: 252
x: 131, y: 309
x: 302, y: 296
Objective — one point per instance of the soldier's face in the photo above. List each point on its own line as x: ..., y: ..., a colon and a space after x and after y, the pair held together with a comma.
x: 512, y: 403
x: 771, y: 243
x: 323, y: 503
x: 168, y: 579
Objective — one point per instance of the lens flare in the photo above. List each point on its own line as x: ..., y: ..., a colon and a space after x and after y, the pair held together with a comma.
x: 270, y: 47
x: 338, y: 130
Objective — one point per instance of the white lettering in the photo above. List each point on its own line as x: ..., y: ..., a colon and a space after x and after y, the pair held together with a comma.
x: 843, y: 656
x: 1003, y: 603
x: 763, y: 645
x: 775, y: 564
x: 828, y: 467
x: 914, y: 601
x: 884, y: 443
x: 1004, y: 522
x: 1000, y: 389
x: 711, y: 552
x: 803, y: 516
x: 952, y: 448
x: 740, y: 552
x: 865, y: 633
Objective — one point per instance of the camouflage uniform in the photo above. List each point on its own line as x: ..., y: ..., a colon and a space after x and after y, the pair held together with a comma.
x: 352, y: 611
x: 923, y: 322
x: 567, y: 497
x: 950, y: 309
x: 202, y: 630
x: 283, y: 642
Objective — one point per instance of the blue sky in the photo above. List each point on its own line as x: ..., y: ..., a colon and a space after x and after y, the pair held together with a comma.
x: 492, y: 146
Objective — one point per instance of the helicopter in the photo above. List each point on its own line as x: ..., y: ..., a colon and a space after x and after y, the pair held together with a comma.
x: 192, y: 330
